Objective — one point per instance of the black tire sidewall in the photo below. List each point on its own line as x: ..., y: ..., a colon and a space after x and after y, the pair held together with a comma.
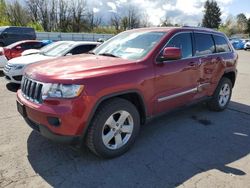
x: 216, y: 96
x: 100, y: 148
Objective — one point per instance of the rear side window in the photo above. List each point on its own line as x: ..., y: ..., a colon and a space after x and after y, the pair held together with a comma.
x: 31, y: 45
x: 184, y: 42
x: 221, y: 44
x: 204, y: 44
x: 82, y: 49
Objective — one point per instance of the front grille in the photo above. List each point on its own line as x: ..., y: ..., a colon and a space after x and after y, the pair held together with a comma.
x: 32, y: 90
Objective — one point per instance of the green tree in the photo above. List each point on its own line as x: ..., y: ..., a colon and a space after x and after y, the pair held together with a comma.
x: 242, y: 22
x: 3, y: 18
x: 212, y: 15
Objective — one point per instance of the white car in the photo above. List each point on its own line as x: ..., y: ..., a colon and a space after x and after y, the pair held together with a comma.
x: 14, y: 69
x: 247, y: 46
x: 3, y: 59
x: 43, y: 49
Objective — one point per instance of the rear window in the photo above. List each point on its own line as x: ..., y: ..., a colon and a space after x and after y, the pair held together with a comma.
x: 221, y: 44
x: 204, y: 44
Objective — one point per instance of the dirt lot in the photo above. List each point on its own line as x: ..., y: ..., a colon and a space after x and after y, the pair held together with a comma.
x: 189, y: 148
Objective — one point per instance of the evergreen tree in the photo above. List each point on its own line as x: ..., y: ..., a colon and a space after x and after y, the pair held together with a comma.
x: 212, y: 15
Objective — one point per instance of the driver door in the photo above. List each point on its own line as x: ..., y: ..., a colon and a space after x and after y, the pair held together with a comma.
x: 176, y: 80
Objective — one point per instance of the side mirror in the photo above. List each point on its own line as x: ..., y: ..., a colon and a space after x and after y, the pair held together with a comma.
x: 171, y: 53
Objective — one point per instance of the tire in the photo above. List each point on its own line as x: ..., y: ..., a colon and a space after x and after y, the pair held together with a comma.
x: 221, y: 96
x: 107, y: 137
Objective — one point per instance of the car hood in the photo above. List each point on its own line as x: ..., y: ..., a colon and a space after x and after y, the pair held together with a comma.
x: 76, y: 67
x: 25, y: 60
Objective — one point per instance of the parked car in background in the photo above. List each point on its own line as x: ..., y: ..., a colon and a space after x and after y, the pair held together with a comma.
x: 16, y: 49
x: 239, y: 44
x: 43, y: 49
x: 3, y: 59
x: 12, y: 34
x: 103, y: 98
x: 14, y: 69
x: 247, y: 45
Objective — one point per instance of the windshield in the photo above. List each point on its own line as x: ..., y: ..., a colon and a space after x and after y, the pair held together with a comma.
x: 130, y: 45
x: 58, y: 50
x: 49, y: 47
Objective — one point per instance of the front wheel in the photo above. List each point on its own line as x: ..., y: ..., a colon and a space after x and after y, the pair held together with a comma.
x: 114, y: 128
x: 221, y: 96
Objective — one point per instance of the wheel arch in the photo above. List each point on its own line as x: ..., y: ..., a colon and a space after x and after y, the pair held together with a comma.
x: 133, y: 96
x: 231, y: 75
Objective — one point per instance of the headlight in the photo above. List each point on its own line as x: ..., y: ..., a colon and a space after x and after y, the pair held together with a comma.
x: 18, y: 67
x: 61, y: 91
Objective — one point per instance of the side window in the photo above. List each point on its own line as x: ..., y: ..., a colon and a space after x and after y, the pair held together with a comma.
x: 82, y: 49
x: 31, y: 45
x: 184, y: 42
x: 204, y: 44
x: 221, y: 44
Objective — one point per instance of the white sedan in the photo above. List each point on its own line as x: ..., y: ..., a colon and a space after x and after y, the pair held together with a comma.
x: 3, y: 59
x: 14, y: 69
x: 247, y: 46
x: 43, y: 49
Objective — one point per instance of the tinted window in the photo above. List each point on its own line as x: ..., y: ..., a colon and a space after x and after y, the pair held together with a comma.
x: 221, y: 44
x: 184, y: 42
x: 204, y: 44
x: 82, y: 49
x: 32, y: 45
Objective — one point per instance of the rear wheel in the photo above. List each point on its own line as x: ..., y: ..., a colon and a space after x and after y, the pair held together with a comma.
x: 114, y: 128
x: 222, y: 95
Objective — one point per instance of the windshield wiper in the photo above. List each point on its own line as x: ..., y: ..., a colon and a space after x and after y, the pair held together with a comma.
x: 108, y: 54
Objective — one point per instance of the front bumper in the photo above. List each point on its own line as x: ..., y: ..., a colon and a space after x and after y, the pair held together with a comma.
x: 72, y: 114
x: 13, y: 76
x: 45, y: 132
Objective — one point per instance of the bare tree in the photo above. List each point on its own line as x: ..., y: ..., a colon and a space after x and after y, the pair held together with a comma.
x: 79, y: 12
x: 33, y: 9
x: 93, y: 20
x: 63, y: 16
x: 17, y: 14
x: 115, y: 21
x: 144, y: 21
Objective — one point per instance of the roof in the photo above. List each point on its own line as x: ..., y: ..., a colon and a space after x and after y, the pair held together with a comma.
x: 166, y: 29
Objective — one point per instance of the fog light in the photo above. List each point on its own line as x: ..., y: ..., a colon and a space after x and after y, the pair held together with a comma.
x: 54, y: 121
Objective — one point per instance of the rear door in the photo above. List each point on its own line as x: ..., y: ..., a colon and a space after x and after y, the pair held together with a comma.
x: 176, y: 81
x: 205, y: 51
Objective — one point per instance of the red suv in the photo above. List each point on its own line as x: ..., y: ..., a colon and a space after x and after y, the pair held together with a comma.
x: 16, y: 49
x: 102, y: 98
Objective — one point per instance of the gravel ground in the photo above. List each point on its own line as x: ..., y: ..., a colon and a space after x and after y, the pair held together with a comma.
x: 189, y: 148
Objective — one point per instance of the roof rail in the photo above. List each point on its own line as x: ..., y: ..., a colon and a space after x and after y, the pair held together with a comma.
x: 197, y: 27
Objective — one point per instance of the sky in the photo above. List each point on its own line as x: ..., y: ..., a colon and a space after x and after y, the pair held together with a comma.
x: 185, y: 12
